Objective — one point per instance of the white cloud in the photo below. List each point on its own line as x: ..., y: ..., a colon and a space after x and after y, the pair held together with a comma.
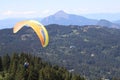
x: 18, y: 14
x: 46, y: 12
x: 27, y: 14
x: 7, y: 13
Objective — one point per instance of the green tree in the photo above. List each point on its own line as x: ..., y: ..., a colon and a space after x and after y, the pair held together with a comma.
x: 6, y: 62
x: 33, y: 74
x: 1, y: 64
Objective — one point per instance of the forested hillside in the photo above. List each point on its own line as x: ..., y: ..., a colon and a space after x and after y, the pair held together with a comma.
x: 13, y: 68
x: 91, y: 51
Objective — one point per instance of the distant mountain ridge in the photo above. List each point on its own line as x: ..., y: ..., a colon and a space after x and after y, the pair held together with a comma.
x: 63, y: 18
x: 117, y: 22
x: 9, y: 23
x: 107, y: 23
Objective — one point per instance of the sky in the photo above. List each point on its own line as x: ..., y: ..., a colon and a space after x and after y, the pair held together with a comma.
x: 43, y: 8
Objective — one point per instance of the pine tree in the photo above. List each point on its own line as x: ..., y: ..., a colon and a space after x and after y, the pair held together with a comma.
x: 14, y: 63
x: 1, y: 64
x: 20, y: 72
x: 6, y: 62
x: 33, y: 74
x: 68, y: 76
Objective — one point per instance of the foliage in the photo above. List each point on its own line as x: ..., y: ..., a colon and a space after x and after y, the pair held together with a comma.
x: 37, y: 70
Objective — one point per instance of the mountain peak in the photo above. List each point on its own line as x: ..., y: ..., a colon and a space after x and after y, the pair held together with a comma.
x: 107, y: 23
x: 104, y: 22
x: 62, y: 14
x: 64, y: 18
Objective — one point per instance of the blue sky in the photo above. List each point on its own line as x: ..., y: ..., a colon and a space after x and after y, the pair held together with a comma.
x: 42, y: 8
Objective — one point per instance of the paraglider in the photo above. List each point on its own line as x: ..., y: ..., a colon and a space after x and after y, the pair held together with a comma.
x: 39, y: 29
x: 26, y: 65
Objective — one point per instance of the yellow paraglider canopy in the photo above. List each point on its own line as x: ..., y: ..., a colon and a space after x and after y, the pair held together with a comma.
x: 37, y: 27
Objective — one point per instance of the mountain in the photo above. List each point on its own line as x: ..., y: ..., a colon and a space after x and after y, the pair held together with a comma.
x: 9, y: 23
x: 91, y: 51
x: 63, y: 18
x: 117, y: 22
x: 107, y: 23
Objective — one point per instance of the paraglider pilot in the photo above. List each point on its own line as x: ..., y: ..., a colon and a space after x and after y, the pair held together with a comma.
x: 26, y: 65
